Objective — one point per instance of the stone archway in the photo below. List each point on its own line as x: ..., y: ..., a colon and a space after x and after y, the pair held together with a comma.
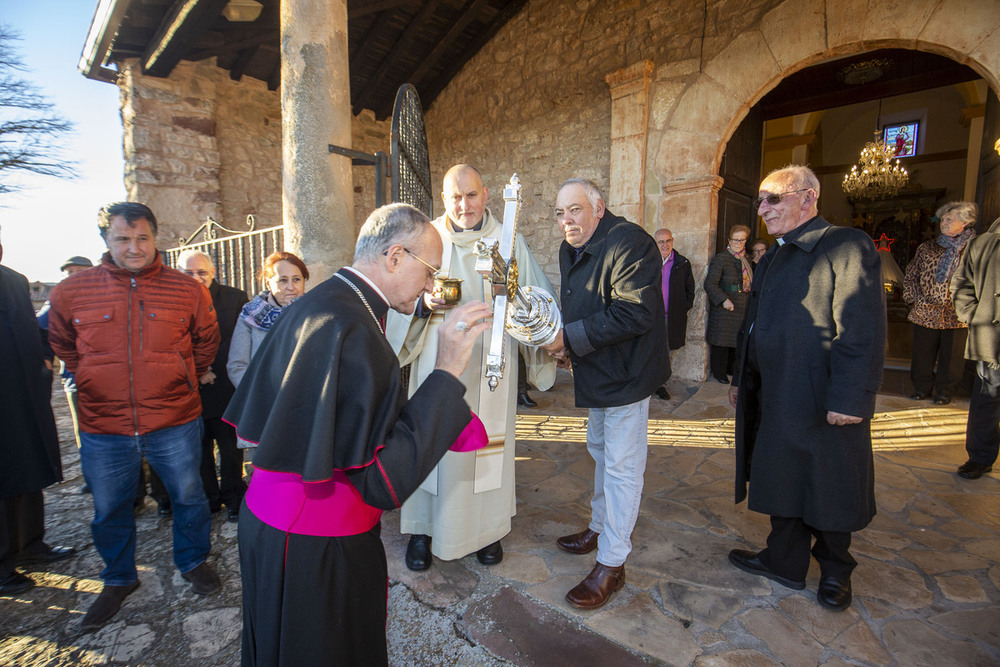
x: 696, y: 107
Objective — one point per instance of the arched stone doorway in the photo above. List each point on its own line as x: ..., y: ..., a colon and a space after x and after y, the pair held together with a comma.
x: 695, y: 113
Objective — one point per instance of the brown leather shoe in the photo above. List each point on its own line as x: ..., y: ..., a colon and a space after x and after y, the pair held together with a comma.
x: 596, y: 589
x: 579, y: 543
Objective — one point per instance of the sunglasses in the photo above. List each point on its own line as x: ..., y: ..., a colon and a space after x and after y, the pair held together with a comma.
x: 774, y: 200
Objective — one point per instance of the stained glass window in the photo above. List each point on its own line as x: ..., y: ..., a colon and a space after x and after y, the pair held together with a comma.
x: 903, y: 136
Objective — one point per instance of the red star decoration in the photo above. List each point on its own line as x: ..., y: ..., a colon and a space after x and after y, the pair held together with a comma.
x: 884, y: 243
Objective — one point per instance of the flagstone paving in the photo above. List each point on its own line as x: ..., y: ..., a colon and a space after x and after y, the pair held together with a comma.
x: 926, y: 591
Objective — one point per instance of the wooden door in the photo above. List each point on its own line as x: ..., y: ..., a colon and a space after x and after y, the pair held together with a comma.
x: 988, y: 187
x: 740, y: 172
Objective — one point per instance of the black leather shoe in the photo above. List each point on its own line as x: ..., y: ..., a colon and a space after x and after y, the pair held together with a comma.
x: 233, y: 514
x: 918, y: 396
x: 163, y: 508
x: 749, y: 561
x: 942, y: 400
x: 579, y: 543
x: 834, y: 593
x: 204, y: 580
x: 524, y: 400
x: 722, y: 380
x: 106, y: 605
x: 418, y: 553
x: 491, y: 554
x: 663, y: 393
x: 973, y: 470
x: 47, y: 555
x: 15, y: 583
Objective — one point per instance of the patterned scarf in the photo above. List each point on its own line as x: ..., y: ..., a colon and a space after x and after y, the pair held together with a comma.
x: 953, y: 246
x: 747, y: 271
x: 262, y: 311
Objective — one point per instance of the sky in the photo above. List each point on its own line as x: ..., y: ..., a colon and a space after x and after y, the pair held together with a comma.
x: 52, y: 219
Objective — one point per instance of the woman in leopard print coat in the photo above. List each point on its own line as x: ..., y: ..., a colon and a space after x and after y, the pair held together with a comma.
x: 938, y: 335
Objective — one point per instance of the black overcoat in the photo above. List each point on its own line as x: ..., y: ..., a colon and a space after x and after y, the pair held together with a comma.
x: 817, y: 322
x: 29, y: 446
x: 612, y: 308
x: 228, y: 302
x: 724, y: 280
x: 681, y: 299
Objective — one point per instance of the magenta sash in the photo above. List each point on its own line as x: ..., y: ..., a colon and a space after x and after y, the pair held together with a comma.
x: 331, y: 508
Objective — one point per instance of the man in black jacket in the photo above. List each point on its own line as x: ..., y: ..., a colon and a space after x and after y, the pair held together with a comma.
x: 614, y: 335
x: 216, y: 392
x: 677, y: 283
x: 29, y: 447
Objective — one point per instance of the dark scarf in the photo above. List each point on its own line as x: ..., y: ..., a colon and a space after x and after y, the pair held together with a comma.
x: 953, y: 246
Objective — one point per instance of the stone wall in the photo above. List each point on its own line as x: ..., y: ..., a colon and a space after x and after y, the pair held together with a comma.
x: 199, y: 144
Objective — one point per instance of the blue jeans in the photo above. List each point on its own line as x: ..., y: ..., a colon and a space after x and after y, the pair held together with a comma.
x: 111, y: 464
x: 616, y: 439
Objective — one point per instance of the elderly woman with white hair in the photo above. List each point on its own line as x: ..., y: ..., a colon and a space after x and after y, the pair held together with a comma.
x: 938, y: 335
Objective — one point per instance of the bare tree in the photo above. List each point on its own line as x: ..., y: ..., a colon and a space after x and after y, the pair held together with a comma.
x: 29, y: 126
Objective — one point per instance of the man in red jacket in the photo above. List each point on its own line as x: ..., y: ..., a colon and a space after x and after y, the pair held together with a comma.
x: 138, y: 336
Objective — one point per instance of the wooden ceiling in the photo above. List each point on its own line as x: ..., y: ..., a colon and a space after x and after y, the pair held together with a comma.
x: 843, y: 81
x: 390, y: 42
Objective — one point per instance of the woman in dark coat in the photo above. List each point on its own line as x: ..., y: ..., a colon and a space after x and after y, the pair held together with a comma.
x: 727, y: 286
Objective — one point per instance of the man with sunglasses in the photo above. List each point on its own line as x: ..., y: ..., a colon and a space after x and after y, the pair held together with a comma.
x: 810, y: 363
x: 466, y: 503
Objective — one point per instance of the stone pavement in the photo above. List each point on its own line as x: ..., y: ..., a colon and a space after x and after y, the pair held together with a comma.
x: 927, y: 590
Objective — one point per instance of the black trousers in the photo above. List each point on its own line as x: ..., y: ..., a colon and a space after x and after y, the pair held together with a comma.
x: 787, y: 551
x: 522, y: 373
x: 230, y: 489
x: 944, y: 348
x: 22, y: 527
x: 982, y: 432
x: 721, y: 360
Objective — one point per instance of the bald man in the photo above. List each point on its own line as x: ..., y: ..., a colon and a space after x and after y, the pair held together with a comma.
x: 465, y: 505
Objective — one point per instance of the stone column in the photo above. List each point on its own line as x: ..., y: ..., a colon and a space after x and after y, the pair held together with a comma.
x: 318, y: 197
x: 629, y: 129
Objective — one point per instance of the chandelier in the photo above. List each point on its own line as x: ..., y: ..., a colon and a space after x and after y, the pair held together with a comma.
x: 875, y: 176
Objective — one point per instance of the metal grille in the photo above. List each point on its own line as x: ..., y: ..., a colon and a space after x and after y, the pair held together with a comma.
x: 238, y: 258
x: 411, y: 167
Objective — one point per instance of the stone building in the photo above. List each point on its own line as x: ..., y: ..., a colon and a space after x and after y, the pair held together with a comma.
x: 674, y: 107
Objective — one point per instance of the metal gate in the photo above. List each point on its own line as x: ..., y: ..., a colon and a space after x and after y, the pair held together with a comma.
x: 411, y: 166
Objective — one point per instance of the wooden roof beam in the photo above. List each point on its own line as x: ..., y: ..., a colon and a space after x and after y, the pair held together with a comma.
x: 469, y: 13
x: 428, y: 94
x: 243, y: 59
x: 357, y: 8
x: 402, y: 45
x: 186, y: 21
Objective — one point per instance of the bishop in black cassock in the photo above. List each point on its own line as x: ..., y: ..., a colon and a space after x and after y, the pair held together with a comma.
x: 338, y: 443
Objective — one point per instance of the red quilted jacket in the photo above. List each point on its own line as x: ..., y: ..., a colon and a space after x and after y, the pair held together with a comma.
x: 137, y: 343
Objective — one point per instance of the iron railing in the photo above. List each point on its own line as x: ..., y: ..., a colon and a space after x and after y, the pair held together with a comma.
x: 237, y: 258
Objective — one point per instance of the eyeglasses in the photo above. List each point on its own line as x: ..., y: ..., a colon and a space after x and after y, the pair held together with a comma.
x: 737, y: 240
x: 774, y: 200
x: 434, y: 270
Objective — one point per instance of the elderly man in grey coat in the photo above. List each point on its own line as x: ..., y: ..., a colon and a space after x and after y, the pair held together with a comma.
x: 810, y: 364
